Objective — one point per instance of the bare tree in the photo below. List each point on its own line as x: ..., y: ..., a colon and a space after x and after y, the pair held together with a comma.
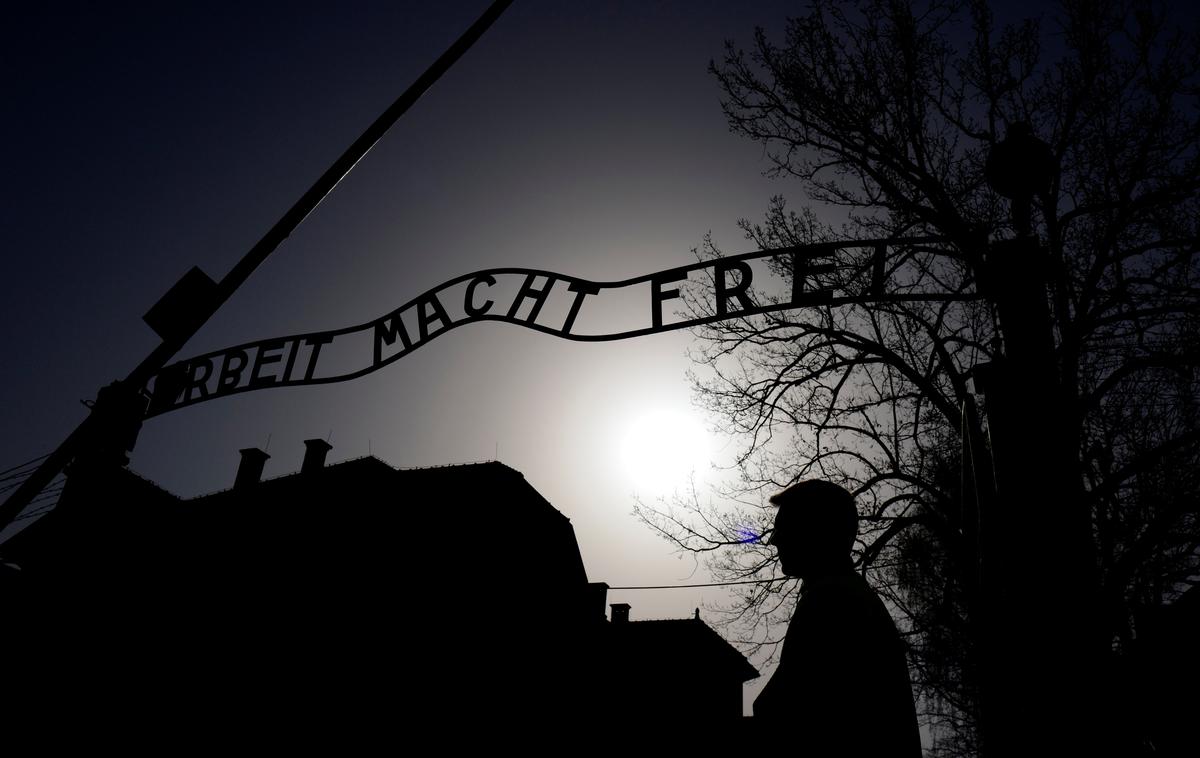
x: 885, y: 113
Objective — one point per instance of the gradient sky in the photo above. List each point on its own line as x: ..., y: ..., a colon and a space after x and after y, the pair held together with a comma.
x: 584, y: 139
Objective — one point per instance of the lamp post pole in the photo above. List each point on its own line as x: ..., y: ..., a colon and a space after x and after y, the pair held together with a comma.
x: 1042, y: 648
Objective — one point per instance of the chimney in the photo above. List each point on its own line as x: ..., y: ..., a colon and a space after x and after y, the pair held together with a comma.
x: 620, y: 613
x: 251, y: 468
x: 314, y: 455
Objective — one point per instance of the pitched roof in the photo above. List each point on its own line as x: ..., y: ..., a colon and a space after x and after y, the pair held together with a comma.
x: 681, y: 645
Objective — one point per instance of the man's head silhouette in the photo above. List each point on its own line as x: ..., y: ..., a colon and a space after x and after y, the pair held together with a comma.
x: 814, y: 528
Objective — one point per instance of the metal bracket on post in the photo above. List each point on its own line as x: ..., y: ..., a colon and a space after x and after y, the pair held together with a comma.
x: 115, y: 422
x: 187, y: 305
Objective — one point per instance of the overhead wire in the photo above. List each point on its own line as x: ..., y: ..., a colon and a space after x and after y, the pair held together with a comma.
x: 26, y: 463
x: 22, y: 475
x: 713, y: 584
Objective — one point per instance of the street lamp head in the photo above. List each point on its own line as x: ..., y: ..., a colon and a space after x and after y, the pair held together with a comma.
x: 1019, y: 166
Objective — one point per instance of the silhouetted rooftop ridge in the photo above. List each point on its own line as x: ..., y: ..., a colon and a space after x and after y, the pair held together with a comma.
x: 664, y: 621
x: 679, y: 641
x: 147, y: 480
x: 359, y: 459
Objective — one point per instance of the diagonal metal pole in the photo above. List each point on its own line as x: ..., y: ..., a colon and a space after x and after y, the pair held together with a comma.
x: 174, y: 341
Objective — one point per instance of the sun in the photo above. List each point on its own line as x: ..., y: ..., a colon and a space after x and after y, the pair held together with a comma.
x: 662, y: 449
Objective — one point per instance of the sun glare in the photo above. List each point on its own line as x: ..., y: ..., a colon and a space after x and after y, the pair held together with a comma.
x: 662, y: 449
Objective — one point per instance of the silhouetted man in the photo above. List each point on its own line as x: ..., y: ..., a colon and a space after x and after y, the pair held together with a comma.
x: 842, y: 682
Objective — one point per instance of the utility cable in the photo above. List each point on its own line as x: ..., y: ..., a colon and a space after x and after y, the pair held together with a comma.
x: 23, y: 465
x: 714, y: 584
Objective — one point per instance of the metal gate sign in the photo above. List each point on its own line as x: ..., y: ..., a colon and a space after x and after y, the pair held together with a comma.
x: 566, y: 307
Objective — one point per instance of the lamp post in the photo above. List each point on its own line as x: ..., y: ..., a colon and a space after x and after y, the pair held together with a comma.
x: 1042, y: 650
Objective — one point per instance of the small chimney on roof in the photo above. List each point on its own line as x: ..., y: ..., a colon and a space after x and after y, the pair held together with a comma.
x: 251, y: 468
x: 314, y: 455
x: 620, y: 613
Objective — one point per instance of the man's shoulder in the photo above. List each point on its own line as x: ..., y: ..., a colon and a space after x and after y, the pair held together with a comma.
x: 848, y: 599
x: 846, y: 587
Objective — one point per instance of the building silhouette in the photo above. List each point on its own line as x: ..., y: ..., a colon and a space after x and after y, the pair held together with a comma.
x: 676, y: 668
x: 454, y: 590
